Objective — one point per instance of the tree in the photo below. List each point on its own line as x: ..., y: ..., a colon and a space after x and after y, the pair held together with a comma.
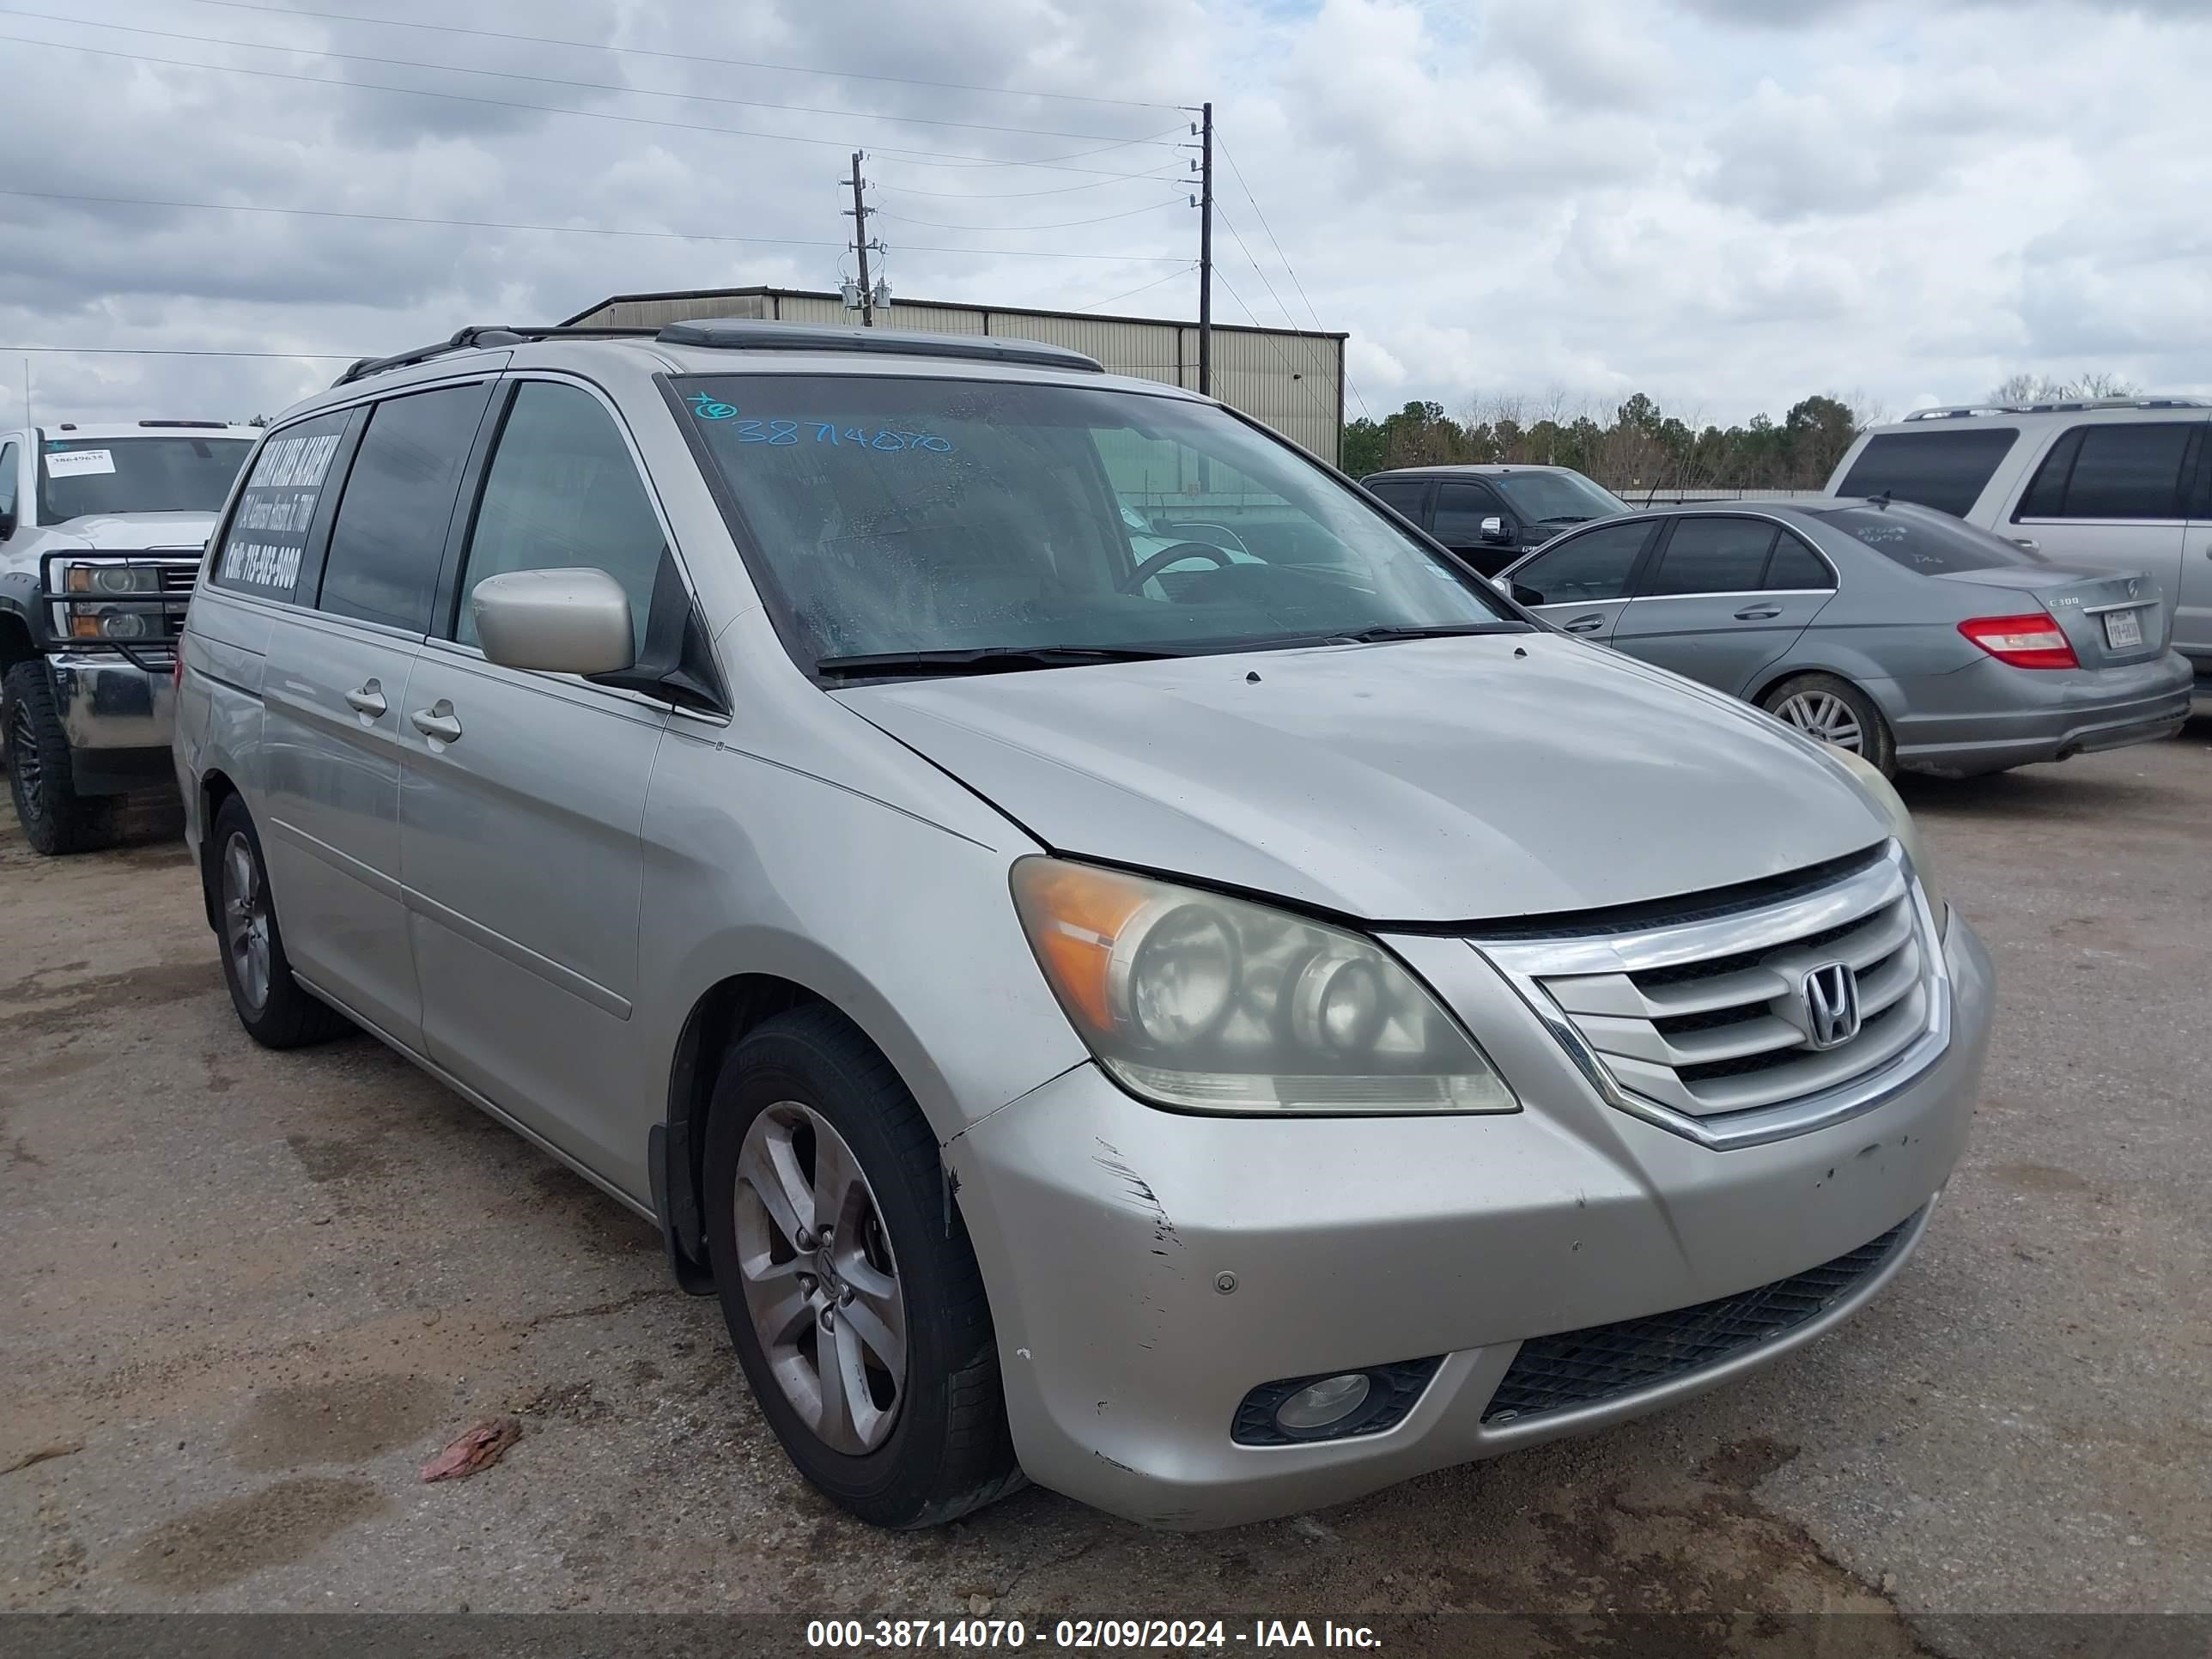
x: 2028, y: 388
x: 1815, y: 434
x: 1362, y: 448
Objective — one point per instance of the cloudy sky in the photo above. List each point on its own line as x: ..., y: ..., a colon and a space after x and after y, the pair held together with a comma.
x: 1728, y: 203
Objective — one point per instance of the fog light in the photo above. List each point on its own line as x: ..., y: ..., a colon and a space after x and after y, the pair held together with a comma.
x: 1319, y: 1404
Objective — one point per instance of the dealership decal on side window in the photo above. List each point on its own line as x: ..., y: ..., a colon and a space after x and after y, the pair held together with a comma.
x: 268, y: 531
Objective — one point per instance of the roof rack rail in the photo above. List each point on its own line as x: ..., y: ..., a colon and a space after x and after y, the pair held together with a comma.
x: 2062, y: 406
x: 215, y: 426
x: 750, y: 334
x: 481, y: 336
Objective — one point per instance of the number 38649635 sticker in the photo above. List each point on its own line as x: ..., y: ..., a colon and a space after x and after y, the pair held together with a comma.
x: 782, y: 432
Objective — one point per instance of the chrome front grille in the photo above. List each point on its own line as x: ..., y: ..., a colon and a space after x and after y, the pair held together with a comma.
x: 1706, y: 1025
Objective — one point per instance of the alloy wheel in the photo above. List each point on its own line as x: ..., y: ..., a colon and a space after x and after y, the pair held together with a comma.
x: 1824, y: 716
x: 24, y: 761
x: 820, y: 1282
x: 246, y: 921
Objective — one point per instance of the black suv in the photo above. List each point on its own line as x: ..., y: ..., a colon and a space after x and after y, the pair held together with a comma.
x: 1490, y: 516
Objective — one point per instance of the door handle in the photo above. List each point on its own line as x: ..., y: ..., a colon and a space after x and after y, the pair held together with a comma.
x: 367, y: 699
x: 437, y: 721
x: 1758, y: 613
x: 2027, y: 542
x: 1584, y: 624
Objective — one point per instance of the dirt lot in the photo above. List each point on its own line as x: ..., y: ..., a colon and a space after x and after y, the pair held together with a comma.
x: 249, y: 1294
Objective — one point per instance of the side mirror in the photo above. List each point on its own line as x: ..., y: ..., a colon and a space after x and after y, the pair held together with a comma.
x: 7, y: 522
x: 1502, y: 585
x: 1494, y: 529
x: 557, y: 622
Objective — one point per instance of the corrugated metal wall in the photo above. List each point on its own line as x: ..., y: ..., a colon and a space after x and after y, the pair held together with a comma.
x: 1291, y: 381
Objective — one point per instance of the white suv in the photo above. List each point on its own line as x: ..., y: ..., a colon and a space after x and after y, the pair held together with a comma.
x: 2119, y: 484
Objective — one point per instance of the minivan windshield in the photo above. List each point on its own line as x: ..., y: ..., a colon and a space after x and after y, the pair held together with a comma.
x: 78, y: 477
x: 1557, y: 497
x: 1923, y: 539
x: 892, y: 516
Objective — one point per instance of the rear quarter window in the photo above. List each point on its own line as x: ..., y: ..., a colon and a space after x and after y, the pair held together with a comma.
x: 1946, y: 471
x: 267, y: 534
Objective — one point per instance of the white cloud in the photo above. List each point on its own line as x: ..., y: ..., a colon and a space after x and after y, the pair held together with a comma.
x: 1725, y: 203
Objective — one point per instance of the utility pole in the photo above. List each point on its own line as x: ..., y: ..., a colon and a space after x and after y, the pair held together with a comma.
x: 860, y: 213
x: 1205, y: 249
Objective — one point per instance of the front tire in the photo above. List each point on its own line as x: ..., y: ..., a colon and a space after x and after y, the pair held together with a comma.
x: 275, y: 1012
x: 56, y: 819
x: 849, y: 1286
x: 1833, y: 710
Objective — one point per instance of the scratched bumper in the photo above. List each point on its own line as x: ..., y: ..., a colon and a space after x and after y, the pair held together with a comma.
x: 1103, y: 1226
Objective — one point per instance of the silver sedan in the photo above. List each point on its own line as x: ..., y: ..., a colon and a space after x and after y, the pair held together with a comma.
x: 1896, y: 632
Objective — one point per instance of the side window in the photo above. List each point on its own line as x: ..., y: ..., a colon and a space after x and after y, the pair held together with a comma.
x: 1594, y: 565
x: 562, y: 493
x: 390, y: 536
x: 8, y: 453
x: 1946, y: 471
x: 1402, y: 494
x: 1797, y: 566
x: 1713, y: 555
x: 267, y: 531
x: 2129, y: 469
x: 1460, y: 509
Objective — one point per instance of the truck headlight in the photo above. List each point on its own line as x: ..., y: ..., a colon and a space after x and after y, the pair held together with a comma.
x: 109, y: 622
x: 1891, y: 806
x: 1208, y: 1004
x: 112, y: 578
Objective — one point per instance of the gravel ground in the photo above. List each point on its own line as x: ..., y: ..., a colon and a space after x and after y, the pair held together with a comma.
x: 249, y: 1294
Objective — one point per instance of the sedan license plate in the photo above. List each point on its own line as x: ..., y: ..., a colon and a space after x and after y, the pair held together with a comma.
x: 2122, y: 630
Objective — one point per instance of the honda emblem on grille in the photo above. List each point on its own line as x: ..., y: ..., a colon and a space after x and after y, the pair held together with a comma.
x: 1832, y: 1005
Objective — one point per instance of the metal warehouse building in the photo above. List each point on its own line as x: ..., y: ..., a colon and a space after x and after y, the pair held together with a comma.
x: 1290, y: 378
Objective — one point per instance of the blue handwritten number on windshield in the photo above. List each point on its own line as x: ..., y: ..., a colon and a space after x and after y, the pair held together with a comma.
x: 707, y: 409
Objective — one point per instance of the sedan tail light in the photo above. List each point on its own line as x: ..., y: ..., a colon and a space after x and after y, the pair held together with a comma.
x: 2034, y: 641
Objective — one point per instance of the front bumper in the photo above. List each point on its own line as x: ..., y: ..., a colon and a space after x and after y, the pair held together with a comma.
x: 1992, y: 716
x: 1104, y: 1228
x: 117, y: 716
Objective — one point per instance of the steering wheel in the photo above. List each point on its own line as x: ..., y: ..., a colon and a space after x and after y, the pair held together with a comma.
x: 1168, y: 556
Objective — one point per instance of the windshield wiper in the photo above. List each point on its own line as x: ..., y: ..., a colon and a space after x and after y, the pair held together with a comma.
x: 984, y: 660
x: 1424, y: 631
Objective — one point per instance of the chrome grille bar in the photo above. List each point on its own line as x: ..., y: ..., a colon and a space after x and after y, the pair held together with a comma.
x: 1702, y: 1026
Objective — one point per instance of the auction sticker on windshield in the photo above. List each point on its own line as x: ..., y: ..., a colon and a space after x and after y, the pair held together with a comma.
x: 78, y: 463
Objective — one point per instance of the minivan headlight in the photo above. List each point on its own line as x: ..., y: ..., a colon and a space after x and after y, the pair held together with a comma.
x: 1892, y: 805
x: 1205, y: 1003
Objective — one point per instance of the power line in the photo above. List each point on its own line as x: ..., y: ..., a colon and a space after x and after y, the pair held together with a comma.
x: 562, y: 230
x: 1288, y: 268
x: 179, y: 351
x: 1055, y: 165
x: 1064, y: 224
x: 681, y: 57
x: 1171, y: 179
x: 1188, y: 266
x: 559, y: 80
x: 1266, y: 333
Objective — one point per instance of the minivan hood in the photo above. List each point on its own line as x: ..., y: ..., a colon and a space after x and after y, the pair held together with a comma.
x: 132, y: 533
x: 1424, y: 780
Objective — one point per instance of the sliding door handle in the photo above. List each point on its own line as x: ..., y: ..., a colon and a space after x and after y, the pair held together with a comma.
x: 437, y: 721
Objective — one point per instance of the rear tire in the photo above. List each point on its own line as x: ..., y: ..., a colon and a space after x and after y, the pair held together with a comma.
x: 270, y: 1003
x: 811, y: 1125
x: 1832, y: 710
x: 56, y: 819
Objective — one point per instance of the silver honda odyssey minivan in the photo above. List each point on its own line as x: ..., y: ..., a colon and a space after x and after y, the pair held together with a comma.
x: 1212, y: 1031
